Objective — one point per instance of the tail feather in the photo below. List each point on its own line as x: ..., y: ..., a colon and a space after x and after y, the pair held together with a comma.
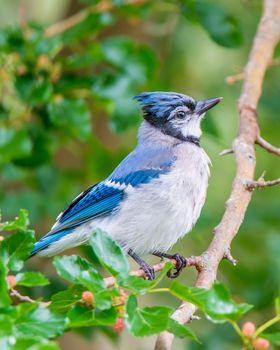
x: 47, y: 240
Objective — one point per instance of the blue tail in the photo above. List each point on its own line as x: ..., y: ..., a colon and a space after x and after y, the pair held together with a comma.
x: 45, y: 241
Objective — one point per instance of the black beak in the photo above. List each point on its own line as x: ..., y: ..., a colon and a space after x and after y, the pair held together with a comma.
x: 204, y: 105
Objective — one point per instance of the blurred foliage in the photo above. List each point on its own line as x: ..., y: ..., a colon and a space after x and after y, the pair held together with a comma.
x: 67, y: 118
x: 89, y: 302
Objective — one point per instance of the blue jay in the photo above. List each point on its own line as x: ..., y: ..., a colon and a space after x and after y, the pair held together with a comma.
x: 154, y: 196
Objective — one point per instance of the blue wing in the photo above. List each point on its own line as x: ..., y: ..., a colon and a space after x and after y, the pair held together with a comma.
x: 97, y: 201
x: 139, y: 167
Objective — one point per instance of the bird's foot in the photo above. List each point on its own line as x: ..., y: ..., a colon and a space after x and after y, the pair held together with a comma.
x: 181, y: 263
x: 149, y: 270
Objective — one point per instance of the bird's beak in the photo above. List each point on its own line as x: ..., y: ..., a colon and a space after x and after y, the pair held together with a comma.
x: 204, y: 105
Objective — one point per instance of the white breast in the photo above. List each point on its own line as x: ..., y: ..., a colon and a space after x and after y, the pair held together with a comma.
x: 157, y: 214
x: 154, y: 215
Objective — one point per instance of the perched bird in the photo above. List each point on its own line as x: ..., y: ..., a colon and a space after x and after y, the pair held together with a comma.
x: 154, y: 196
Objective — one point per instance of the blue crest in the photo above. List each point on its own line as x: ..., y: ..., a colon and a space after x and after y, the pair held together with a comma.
x: 159, y: 104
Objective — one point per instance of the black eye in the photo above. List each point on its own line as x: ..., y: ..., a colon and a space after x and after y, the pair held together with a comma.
x: 181, y: 115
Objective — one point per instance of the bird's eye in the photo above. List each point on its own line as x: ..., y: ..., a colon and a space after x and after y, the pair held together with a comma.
x: 181, y: 115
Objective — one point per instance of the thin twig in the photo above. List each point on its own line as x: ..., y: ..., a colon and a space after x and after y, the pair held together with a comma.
x: 230, y: 258
x: 253, y: 185
x: 267, y: 146
x: 226, y: 152
x: 15, y: 293
x: 266, y: 38
x: 232, y: 79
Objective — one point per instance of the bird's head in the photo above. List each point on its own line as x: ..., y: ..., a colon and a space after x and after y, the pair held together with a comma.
x: 176, y: 115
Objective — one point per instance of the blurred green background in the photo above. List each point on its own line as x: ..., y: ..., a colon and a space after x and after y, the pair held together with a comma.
x: 67, y: 118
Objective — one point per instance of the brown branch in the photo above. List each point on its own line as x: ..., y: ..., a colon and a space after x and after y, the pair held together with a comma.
x: 260, y: 183
x: 191, y: 261
x: 232, y: 79
x: 267, y: 146
x: 71, y: 21
x: 25, y: 298
x: 226, y: 152
x: 267, y: 36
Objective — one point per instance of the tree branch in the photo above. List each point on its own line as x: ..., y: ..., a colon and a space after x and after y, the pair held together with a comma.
x: 260, y: 183
x: 267, y: 36
x: 232, y: 79
x: 267, y: 146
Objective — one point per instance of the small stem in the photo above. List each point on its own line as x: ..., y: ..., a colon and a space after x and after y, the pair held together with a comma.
x: 159, y: 290
x: 238, y: 330
x: 266, y: 325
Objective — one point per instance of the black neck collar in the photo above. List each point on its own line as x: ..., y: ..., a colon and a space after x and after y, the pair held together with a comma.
x: 192, y: 139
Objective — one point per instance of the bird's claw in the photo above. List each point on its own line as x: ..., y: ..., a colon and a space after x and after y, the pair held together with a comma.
x: 149, y: 271
x: 181, y: 263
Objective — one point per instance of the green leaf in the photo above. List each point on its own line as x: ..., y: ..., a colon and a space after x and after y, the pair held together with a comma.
x: 16, y: 248
x: 272, y: 337
x: 38, y: 322
x: 146, y: 321
x: 14, y: 143
x: 5, y: 299
x: 29, y: 279
x: 46, y: 346
x: 20, y: 223
x: 277, y: 306
x: 63, y: 300
x: 92, y: 23
x: 109, y: 254
x: 6, y: 325
x: 103, y: 298
x: 215, y: 302
x: 139, y: 285
x: 81, y: 316
x: 33, y: 90
x: 78, y: 270
x: 72, y: 116
x: 179, y: 330
x: 222, y: 27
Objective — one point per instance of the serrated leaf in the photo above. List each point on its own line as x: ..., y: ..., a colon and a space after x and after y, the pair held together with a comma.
x: 20, y: 223
x: 38, y: 322
x: 146, y: 321
x: 72, y: 116
x: 78, y: 270
x: 81, y: 316
x: 215, y: 302
x: 63, y: 300
x: 179, y: 330
x: 103, y: 299
x: 29, y: 279
x: 109, y: 253
x: 274, y: 338
x: 139, y: 285
x: 16, y: 248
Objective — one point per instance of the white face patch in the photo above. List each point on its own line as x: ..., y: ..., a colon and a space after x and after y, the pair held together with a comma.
x: 189, y: 125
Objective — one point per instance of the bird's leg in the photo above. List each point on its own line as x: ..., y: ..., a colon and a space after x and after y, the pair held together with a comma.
x: 181, y: 262
x: 149, y: 271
